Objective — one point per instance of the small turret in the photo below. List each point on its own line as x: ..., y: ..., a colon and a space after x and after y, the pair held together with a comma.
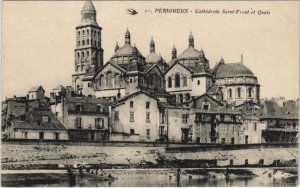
x: 174, y: 53
x: 222, y: 61
x: 152, y: 46
x: 191, y: 40
x: 127, y: 37
x: 117, y: 47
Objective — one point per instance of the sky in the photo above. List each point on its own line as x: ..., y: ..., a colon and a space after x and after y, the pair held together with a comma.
x: 38, y: 39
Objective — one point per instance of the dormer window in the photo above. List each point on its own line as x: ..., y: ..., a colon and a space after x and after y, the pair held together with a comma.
x: 79, y: 108
x: 45, y: 119
x: 99, y: 108
x: 205, y: 105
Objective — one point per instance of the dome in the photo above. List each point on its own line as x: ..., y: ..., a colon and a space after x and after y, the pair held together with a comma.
x: 153, y: 58
x: 191, y: 53
x: 233, y: 70
x: 124, y: 54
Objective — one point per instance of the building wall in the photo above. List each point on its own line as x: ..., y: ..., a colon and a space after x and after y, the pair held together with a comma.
x: 34, y: 134
x: 87, y: 88
x: 140, y: 125
x: 87, y: 121
x: 176, y: 123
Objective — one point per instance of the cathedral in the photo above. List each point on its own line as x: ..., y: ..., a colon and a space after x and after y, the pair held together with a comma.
x: 183, y: 78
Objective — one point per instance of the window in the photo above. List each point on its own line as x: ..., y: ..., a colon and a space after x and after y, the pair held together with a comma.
x: 177, y: 80
x: 82, y: 55
x: 184, y: 118
x: 180, y: 98
x: 250, y: 92
x: 26, y: 135
x: 98, y: 34
x: 78, y: 33
x: 89, y: 84
x: 205, y: 106
x: 87, y: 32
x: 78, y: 122
x: 131, y: 104
x: 83, y: 42
x: 82, y: 32
x: 255, y: 126
x: 187, y: 97
x: 169, y: 82
x: 130, y: 80
x: 99, y: 108
x: 148, y: 133
x: 109, y: 79
x: 239, y: 92
x: 99, y: 123
x: 87, y: 54
x: 41, y: 135
x: 230, y: 93
x: 45, y: 119
x: 223, y: 140
x: 198, y: 82
x: 101, y: 80
x: 78, y: 43
x: 116, y: 115
x: 56, y: 136
x: 117, y: 79
x: 131, y: 131
x: 184, y: 81
x: 82, y: 67
x: 78, y: 55
x: 87, y: 42
x: 78, y: 108
x: 294, y: 125
x: 131, y: 116
x: 147, y: 105
x: 148, y: 117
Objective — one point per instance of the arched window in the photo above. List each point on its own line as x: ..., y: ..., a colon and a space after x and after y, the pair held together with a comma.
x: 198, y: 82
x: 78, y: 33
x: 180, y: 98
x: 78, y: 55
x: 87, y: 32
x: 78, y: 43
x: 87, y: 54
x: 250, y: 92
x: 98, y: 34
x: 95, y: 43
x: 101, y: 81
x: 83, y: 43
x: 82, y: 32
x: 82, y: 67
x: 76, y: 68
x: 230, y: 93
x: 82, y: 55
x: 239, y: 92
x: 169, y: 82
x: 187, y: 96
x: 87, y: 42
x: 184, y: 81
x: 109, y: 79
x: 117, y: 80
x: 177, y: 80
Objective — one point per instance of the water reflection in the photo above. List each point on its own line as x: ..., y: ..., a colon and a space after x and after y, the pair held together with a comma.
x: 160, y: 177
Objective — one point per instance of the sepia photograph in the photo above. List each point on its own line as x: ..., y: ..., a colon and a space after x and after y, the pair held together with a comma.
x: 141, y: 93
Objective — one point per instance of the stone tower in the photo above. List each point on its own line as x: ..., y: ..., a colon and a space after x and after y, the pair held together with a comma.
x: 88, y: 51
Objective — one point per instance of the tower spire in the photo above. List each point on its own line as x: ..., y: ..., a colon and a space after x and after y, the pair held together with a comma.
x: 242, y: 59
x: 127, y: 37
x: 117, y: 46
x: 88, y: 14
x: 191, y: 40
x: 152, y: 46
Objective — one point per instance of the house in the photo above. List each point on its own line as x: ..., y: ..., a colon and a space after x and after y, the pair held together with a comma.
x: 281, y: 118
x: 36, y: 92
x: 135, y: 118
x: 36, y: 124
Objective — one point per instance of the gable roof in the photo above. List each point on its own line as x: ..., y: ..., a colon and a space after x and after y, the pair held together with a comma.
x: 197, y: 69
x: 205, y: 95
x: 123, y: 99
x: 33, y: 121
x: 110, y: 63
x: 36, y: 88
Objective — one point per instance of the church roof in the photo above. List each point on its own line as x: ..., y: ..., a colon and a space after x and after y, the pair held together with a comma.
x: 191, y: 52
x: 125, y: 50
x: 232, y: 69
x: 86, y: 12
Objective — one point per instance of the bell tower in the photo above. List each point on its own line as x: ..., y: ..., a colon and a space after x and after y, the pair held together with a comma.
x: 88, y: 51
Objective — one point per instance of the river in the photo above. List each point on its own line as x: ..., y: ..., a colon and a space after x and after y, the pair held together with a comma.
x: 144, y: 177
